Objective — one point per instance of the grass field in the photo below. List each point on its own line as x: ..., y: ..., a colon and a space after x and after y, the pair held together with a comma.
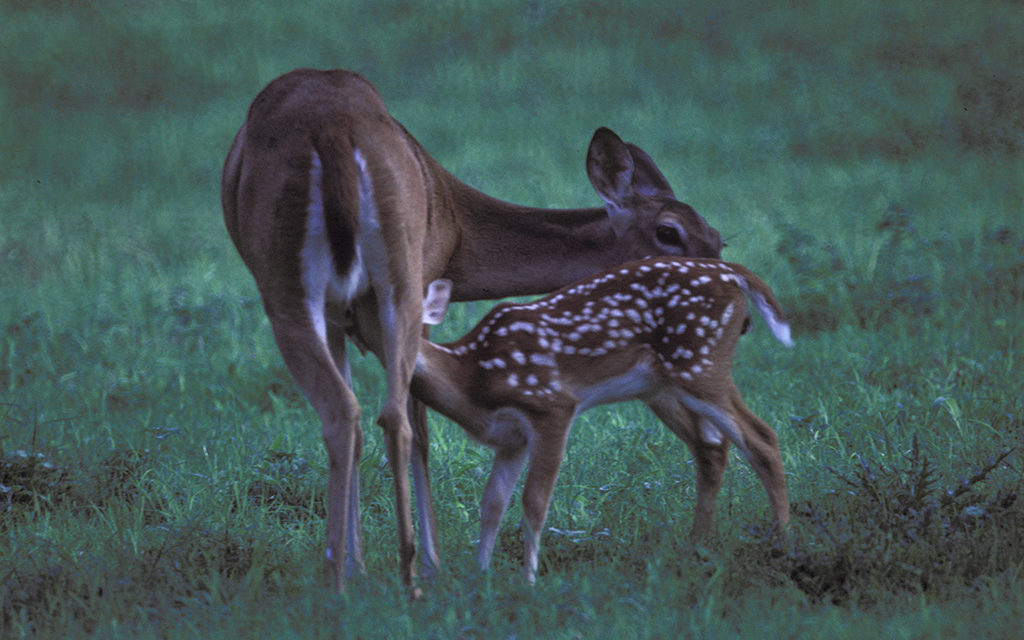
x: 162, y: 477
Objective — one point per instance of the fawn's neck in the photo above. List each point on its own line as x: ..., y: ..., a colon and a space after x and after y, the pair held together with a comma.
x: 441, y: 381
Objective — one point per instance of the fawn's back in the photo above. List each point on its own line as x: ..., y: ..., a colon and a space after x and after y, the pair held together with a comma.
x: 618, y: 335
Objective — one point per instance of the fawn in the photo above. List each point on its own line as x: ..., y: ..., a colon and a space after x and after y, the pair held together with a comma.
x: 661, y: 330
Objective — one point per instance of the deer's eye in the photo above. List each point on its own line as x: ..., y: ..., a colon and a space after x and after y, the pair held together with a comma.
x: 667, y: 234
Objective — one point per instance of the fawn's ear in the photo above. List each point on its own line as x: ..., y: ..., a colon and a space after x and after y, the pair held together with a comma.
x: 435, y: 303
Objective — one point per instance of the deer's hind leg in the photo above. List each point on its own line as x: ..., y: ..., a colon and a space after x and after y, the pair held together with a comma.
x: 710, y: 452
x: 725, y: 418
x: 304, y: 348
x: 764, y: 456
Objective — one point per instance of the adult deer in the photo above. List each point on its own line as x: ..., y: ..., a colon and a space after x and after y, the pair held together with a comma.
x: 342, y: 217
x: 662, y: 330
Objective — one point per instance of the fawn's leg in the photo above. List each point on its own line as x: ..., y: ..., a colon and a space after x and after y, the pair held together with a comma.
x: 710, y: 452
x: 508, y: 466
x: 764, y: 456
x: 546, y: 451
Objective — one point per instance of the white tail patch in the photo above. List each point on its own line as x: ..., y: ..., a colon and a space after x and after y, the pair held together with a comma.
x: 319, y: 277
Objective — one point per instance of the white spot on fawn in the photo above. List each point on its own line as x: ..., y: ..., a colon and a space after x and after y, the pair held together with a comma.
x: 542, y: 360
x: 522, y: 326
x: 727, y: 314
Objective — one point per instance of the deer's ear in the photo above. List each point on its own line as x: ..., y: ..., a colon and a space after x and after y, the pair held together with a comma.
x: 435, y: 303
x: 610, y: 169
x: 647, y: 178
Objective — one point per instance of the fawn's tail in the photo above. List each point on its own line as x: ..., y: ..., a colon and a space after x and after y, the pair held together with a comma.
x: 761, y: 295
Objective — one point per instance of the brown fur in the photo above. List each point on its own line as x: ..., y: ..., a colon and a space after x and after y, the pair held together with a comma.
x: 431, y: 225
x: 662, y: 330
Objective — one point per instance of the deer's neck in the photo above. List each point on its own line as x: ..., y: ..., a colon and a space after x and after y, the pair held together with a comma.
x: 506, y: 249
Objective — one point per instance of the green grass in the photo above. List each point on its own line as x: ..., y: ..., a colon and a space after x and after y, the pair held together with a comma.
x: 161, y: 476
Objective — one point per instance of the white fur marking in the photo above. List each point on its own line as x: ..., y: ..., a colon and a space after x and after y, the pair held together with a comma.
x: 720, y: 420
x: 522, y: 326
x: 319, y: 279
x: 727, y: 314
x: 369, y: 238
x: 709, y: 433
x: 542, y: 360
x: 317, y: 264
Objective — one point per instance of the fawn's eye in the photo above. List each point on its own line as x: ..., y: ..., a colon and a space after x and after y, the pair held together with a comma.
x: 667, y: 234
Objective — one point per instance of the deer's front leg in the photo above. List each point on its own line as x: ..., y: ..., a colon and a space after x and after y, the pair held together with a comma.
x: 421, y: 485
x: 546, y: 450
x: 421, y: 482
x: 505, y: 472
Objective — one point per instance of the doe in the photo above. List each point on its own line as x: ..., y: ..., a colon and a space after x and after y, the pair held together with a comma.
x: 661, y: 330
